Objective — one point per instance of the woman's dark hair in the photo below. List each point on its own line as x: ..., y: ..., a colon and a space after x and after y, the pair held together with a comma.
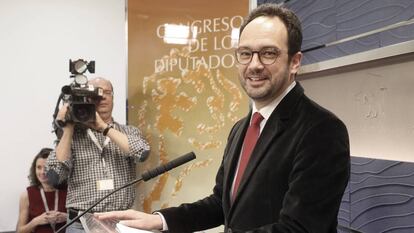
x: 289, y: 19
x: 43, y: 154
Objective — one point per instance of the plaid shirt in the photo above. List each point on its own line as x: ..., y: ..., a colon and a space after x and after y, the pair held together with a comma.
x: 88, y: 164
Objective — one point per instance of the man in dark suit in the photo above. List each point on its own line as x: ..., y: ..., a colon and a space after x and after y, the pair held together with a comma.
x: 298, y: 168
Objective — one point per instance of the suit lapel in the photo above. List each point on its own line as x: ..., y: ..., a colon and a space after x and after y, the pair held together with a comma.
x: 274, y: 127
x: 233, y: 156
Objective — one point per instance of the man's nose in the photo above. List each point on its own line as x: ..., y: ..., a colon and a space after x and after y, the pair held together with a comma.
x: 255, y: 62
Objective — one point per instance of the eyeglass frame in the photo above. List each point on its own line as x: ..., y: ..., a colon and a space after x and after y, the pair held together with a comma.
x: 108, y: 92
x: 258, y: 54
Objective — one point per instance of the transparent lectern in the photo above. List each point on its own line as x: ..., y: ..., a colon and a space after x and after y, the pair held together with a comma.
x: 93, y: 225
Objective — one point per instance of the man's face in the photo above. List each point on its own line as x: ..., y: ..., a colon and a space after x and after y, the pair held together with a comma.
x: 263, y: 83
x: 104, y: 105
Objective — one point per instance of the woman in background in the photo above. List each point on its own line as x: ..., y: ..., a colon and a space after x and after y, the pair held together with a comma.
x: 42, y: 207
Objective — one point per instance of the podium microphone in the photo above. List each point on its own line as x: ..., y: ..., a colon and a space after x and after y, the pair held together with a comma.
x: 144, y: 177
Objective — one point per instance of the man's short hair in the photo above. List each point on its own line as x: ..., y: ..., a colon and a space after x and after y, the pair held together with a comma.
x: 289, y: 19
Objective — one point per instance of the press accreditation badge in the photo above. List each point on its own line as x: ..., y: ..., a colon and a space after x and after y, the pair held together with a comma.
x: 105, y: 184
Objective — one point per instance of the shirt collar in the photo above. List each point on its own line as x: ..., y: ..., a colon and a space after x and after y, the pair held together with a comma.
x: 267, y: 110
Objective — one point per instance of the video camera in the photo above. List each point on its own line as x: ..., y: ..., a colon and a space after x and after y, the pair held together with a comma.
x: 79, y: 94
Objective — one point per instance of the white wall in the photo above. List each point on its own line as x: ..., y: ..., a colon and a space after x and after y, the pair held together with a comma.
x: 37, y: 39
x: 375, y: 102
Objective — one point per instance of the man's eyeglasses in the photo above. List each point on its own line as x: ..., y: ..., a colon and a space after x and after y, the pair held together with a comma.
x: 267, y: 55
x: 108, y: 92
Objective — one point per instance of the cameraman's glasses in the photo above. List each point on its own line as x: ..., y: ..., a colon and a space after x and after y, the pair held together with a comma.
x: 108, y: 92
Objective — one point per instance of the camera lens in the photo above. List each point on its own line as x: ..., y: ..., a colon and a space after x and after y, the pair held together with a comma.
x: 83, y: 112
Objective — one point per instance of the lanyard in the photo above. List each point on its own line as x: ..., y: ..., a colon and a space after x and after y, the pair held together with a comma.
x: 95, y: 141
x: 42, y: 193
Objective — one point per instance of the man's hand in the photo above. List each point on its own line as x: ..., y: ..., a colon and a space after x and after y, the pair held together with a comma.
x: 133, y: 218
x: 98, y: 125
x: 62, y: 112
x: 61, y: 116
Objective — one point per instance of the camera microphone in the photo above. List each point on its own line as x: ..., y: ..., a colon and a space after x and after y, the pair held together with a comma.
x: 67, y: 90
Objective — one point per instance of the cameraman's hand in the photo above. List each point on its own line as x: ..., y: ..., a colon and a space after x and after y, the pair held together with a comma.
x: 61, y: 116
x: 63, y: 148
x: 98, y: 125
x: 62, y: 112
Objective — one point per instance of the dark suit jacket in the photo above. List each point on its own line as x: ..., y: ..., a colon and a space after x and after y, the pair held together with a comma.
x: 293, y: 183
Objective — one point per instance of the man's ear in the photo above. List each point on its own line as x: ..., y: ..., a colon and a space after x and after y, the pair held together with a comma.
x: 295, y: 62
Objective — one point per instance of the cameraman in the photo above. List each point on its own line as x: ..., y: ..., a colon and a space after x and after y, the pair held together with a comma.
x: 97, y: 159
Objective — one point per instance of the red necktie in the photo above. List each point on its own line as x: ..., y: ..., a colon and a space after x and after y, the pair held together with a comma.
x: 249, y: 142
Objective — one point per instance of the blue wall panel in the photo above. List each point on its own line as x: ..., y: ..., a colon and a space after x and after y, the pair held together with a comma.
x: 379, y: 197
x: 326, y: 21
